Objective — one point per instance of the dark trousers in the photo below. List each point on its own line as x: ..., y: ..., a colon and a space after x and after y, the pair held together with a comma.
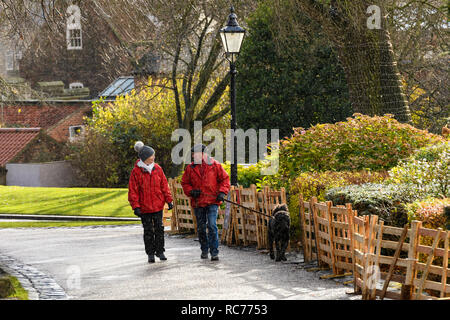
x: 153, y: 232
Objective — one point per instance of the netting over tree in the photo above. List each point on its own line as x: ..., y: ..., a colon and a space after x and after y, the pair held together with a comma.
x: 357, y: 30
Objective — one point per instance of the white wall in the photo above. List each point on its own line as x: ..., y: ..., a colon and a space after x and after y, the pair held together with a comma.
x: 49, y: 174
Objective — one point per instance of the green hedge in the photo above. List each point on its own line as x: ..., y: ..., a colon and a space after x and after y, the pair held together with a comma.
x: 316, y: 184
x: 388, y: 201
x: 360, y: 143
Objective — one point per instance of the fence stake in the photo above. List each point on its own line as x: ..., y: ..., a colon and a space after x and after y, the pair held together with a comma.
x: 445, y: 265
x: 331, y: 233
x: 313, y: 215
x: 408, y: 287
x: 373, y: 291
x: 350, y: 216
x: 311, y: 226
x: 243, y: 216
x: 302, y: 222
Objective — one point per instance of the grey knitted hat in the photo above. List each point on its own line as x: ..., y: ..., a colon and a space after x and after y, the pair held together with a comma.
x: 199, y: 148
x: 144, y: 152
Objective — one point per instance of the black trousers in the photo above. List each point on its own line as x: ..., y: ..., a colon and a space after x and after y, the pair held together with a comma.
x: 153, y: 232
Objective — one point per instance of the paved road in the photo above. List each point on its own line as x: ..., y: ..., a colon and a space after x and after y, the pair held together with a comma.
x: 110, y: 263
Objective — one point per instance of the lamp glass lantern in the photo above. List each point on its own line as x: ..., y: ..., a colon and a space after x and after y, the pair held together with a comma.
x: 232, y: 36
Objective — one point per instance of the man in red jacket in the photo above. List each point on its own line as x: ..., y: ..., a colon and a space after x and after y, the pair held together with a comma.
x: 148, y: 191
x: 207, y: 183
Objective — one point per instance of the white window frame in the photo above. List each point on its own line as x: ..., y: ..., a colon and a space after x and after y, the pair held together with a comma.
x: 9, y: 60
x: 74, y: 35
x: 73, y: 136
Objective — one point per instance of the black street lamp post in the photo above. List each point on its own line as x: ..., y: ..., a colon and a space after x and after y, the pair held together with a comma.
x: 232, y: 36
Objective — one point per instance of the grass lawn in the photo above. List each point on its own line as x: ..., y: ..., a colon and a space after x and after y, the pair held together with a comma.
x: 65, y: 201
x: 20, y: 293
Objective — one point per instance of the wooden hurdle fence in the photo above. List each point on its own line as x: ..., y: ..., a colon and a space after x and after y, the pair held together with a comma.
x: 237, y: 226
x: 347, y: 244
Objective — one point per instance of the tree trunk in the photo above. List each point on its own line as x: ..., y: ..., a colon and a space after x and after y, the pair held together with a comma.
x: 374, y: 82
x: 366, y: 54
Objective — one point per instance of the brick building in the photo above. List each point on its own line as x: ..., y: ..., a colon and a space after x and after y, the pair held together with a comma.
x: 97, y: 61
x: 36, y: 131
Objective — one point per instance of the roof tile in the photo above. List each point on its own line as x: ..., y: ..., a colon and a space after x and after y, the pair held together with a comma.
x: 13, y: 140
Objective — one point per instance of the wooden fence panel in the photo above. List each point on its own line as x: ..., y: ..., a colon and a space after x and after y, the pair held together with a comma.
x: 250, y: 220
x: 390, y: 244
x: 340, y: 218
x: 247, y: 227
x: 240, y: 220
x: 323, y: 233
x: 432, y: 275
x: 184, y: 213
x: 365, y: 246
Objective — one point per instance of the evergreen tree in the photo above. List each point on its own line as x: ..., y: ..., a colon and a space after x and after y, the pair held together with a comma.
x: 298, y: 84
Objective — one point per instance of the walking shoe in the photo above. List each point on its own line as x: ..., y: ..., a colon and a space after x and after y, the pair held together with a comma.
x: 151, y: 258
x: 204, y: 255
x: 215, y: 258
x: 162, y: 256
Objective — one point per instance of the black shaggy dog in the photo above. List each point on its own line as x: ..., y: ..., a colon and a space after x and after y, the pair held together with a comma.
x: 278, y: 231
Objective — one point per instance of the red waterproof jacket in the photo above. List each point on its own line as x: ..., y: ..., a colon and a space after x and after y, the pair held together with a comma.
x: 210, y: 178
x: 148, y: 191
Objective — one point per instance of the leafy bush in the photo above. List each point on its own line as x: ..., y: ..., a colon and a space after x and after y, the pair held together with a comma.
x: 113, y: 131
x: 433, y: 152
x: 315, y: 184
x: 360, y: 143
x: 246, y: 175
x: 429, y: 168
x: 294, y: 212
x: 253, y: 174
x: 430, y: 212
x: 95, y: 160
x: 388, y: 201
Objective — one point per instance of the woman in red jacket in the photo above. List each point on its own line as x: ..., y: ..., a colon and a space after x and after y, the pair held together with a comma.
x: 148, y: 191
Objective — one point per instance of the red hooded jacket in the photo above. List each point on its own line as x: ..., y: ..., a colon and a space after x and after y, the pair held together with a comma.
x: 210, y: 178
x: 148, y: 191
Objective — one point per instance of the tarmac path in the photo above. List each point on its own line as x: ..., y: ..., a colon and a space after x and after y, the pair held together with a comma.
x: 109, y: 263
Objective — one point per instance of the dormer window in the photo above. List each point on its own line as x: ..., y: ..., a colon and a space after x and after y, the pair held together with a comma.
x: 76, y: 85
